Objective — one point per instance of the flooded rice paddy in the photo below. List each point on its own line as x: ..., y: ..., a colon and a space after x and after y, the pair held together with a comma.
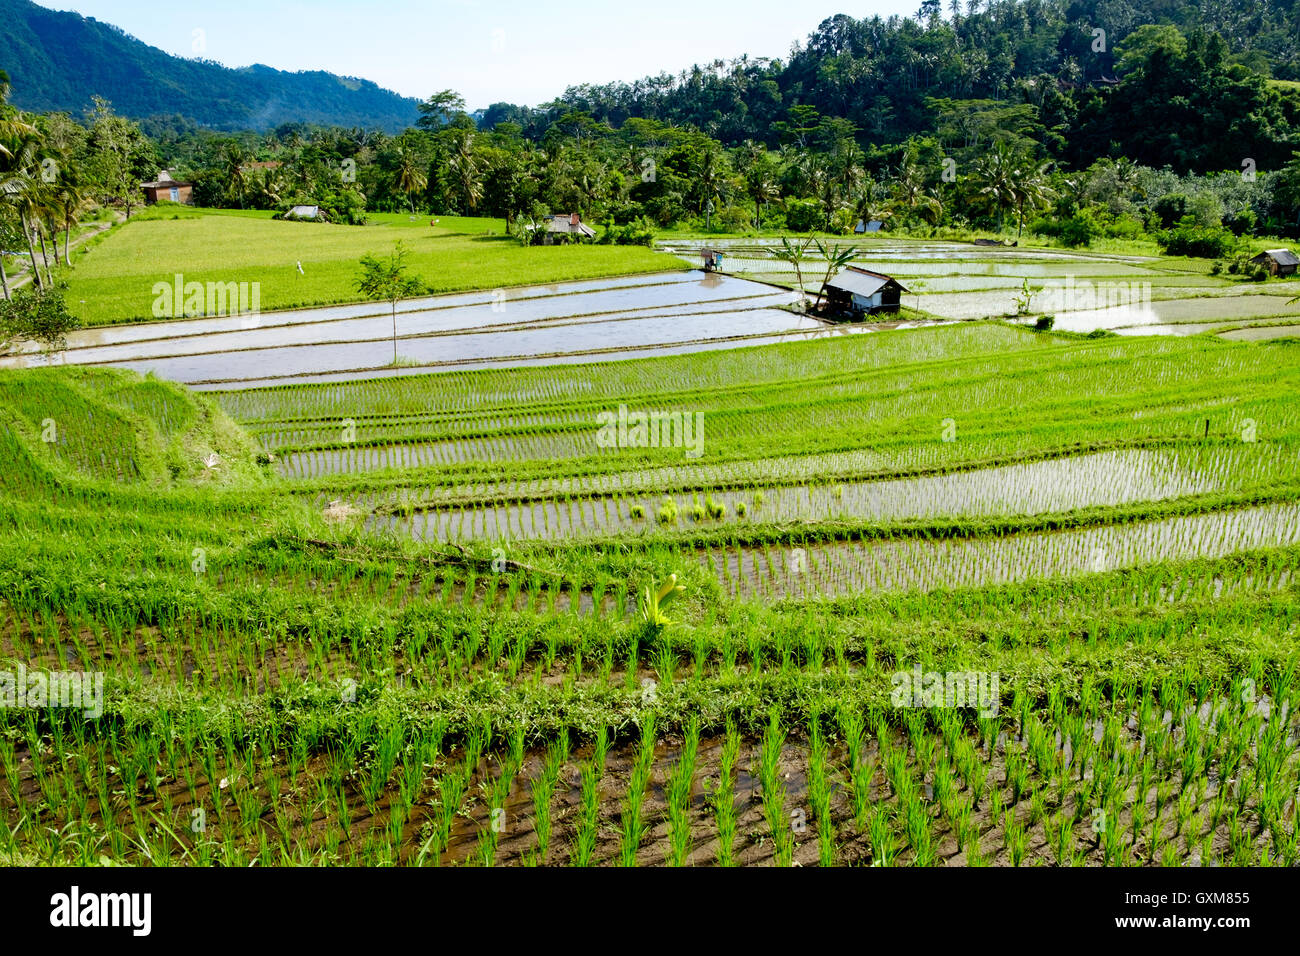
x: 539, y: 325
x: 912, y: 564
x: 1107, y: 479
x: 644, y: 316
x: 962, y: 281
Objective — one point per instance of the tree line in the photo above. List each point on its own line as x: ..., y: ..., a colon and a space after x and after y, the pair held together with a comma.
x: 1009, y: 118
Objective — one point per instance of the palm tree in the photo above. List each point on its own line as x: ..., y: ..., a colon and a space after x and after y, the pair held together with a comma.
x: 25, y: 192
x: 871, y: 202
x: 11, y: 184
x: 409, y: 176
x: 233, y: 174
x: 761, y: 187
x: 12, y: 124
x: 267, y: 187
x: 464, y: 166
x: 995, y: 174
x: 847, y: 166
x: 70, y: 199
x: 837, y: 257
x: 1029, y: 188
x: 794, y: 253
x: 709, y: 178
x: 6, y: 228
x: 19, y: 146
x: 912, y: 191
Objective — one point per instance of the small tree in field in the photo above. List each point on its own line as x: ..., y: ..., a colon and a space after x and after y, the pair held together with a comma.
x: 386, y: 280
x: 794, y: 253
x: 37, y: 315
x: 837, y: 257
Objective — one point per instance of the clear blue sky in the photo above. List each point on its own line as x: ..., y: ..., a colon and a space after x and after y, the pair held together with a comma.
x: 517, y: 51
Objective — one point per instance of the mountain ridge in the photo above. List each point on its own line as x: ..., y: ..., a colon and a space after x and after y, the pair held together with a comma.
x: 58, y: 60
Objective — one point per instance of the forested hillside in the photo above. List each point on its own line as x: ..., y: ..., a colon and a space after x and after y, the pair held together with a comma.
x: 59, y: 61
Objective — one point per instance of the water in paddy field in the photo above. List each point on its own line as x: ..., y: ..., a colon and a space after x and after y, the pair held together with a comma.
x: 846, y: 568
x: 1261, y: 334
x: 1176, y: 311
x: 1106, y: 479
x: 584, y: 321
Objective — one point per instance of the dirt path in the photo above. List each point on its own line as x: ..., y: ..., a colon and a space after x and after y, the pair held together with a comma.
x: 21, y: 276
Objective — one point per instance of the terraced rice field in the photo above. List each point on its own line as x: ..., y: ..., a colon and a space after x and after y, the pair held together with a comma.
x: 959, y: 281
x: 648, y: 315
x: 958, y: 595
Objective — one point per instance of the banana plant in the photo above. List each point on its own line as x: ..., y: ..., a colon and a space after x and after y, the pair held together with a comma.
x: 654, y: 598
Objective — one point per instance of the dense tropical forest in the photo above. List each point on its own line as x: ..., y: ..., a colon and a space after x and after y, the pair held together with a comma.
x: 1071, y: 122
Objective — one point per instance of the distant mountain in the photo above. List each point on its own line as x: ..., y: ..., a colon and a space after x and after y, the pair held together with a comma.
x: 58, y: 61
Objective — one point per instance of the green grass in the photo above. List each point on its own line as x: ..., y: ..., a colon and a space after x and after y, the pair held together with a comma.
x: 115, y: 274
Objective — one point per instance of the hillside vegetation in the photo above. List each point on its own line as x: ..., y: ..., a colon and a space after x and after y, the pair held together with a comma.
x: 61, y: 60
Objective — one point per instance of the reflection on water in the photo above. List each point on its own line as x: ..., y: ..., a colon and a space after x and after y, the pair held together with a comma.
x: 1123, y: 316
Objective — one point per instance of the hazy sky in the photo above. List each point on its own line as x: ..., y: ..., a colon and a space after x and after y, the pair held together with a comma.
x: 517, y: 51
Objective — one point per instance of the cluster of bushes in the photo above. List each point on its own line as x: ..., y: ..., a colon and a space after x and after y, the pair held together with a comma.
x: 1085, y: 225
x: 638, y: 232
x: 1191, y: 238
x: 345, y: 206
x: 1241, y: 266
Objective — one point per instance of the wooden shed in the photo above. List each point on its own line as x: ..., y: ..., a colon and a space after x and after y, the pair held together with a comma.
x: 564, y: 228
x: 1279, y: 262
x: 856, y: 291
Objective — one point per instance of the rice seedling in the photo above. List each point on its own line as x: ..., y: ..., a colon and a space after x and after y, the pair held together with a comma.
x: 778, y: 822
x: 870, y: 545
x: 678, y: 793
x: 633, y: 828
x: 724, y: 797
x: 819, y: 793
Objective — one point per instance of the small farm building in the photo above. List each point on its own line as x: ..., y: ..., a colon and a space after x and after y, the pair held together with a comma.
x: 857, y: 290
x: 1279, y: 262
x: 166, y: 189
x: 567, y: 227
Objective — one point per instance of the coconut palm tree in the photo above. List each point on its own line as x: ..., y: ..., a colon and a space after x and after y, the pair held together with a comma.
x: 762, y: 188
x: 8, y: 227
x: 911, y: 191
x: 409, y: 176
x: 794, y: 253
x: 710, y: 176
x: 871, y: 202
x: 1030, y: 189
x: 267, y: 187
x: 19, y: 145
x: 234, y: 159
x: 69, y: 199
x: 837, y: 257
x: 466, y: 170
x: 23, y: 191
x: 13, y: 126
x: 995, y: 174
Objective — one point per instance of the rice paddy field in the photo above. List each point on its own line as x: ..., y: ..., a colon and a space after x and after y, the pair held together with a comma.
x: 300, y: 264
x: 954, y: 595
x: 1084, y: 291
